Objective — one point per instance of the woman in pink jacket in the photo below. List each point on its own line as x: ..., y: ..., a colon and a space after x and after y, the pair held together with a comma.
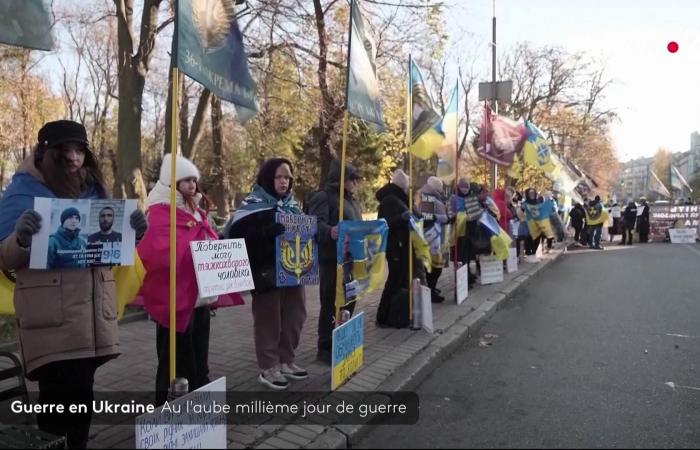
x: 192, y: 311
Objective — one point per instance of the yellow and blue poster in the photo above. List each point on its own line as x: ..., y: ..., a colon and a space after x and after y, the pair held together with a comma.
x: 348, y: 350
x: 361, y: 250
x: 296, y: 251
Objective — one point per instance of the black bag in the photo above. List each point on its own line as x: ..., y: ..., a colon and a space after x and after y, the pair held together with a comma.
x: 398, y: 316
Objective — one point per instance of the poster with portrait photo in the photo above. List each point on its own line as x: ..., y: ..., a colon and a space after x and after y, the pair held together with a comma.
x: 83, y: 233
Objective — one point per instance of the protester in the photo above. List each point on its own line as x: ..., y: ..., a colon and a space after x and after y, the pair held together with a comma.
x: 434, y: 212
x: 66, y: 317
x: 325, y: 204
x: 643, y: 221
x: 577, y: 218
x: 278, y: 312
x: 538, y: 212
x: 629, y: 218
x: 466, y: 205
x: 393, y: 207
x: 596, y: 216
x: 193, y: 312
x: 616, y: 226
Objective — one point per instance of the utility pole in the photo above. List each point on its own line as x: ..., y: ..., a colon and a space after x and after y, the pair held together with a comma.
x: 494, y: 96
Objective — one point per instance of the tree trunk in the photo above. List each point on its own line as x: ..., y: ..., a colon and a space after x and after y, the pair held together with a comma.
x: 189, y: 146
x: 133, y: 68
x: 219, y: 179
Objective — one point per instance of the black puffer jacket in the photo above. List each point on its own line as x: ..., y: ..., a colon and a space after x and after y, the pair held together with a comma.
x: 325, y: 206
x: 393, y: 203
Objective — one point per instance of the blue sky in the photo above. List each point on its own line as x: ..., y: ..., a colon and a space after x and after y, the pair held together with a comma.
x: 656, y: 93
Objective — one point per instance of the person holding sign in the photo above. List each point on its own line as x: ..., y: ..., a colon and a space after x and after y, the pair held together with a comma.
x: 278, y: 312
x: 434, y: 212
x: 193, y: 312
x: 66, y: 316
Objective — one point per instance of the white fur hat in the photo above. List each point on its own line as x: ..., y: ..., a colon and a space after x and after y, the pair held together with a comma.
x: 435, y: 183
x: 400, y: 179
x: 184, y: 168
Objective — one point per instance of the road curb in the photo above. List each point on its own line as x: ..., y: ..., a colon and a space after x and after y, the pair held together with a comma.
x: 410, y: 375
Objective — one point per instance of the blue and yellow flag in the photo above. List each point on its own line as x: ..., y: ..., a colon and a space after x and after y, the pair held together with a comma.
x: 536, y: 151
x: 361, y: 261
x: 362, y: 90
x: 426, y: 124
x: 25, y: 23
x: 210, y: 50
x: 128, y: 280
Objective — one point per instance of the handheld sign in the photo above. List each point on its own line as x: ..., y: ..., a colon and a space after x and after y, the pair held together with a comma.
x: 512, y: 261
x: 682, y: 235
x: 222, y: 267
x: 348, y: 350
x: 296, y: 251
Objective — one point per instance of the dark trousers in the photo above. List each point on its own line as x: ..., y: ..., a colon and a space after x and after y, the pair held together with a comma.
x: 65, y: 383
x: 627, y: 235
x: 531, y: 245
x: 596, y: 233
x: 191, y: 354
x: 577, y: 232
x: 518, y: 241
x: 433, y: 277
x: 549, y: 241
x: 326, y: 317
x: 644, y: 232
x: 397, y: 279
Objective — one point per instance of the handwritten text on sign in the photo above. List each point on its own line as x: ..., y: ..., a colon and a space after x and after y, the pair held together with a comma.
x: 348, y: 348
x: 222, y: 267
x: 491, y: 269
x: 183, y: 424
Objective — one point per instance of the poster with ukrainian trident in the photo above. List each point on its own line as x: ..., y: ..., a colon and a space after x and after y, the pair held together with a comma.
x: 83, y: 233
x: 210, y: 50
x: 362, y: 94
x: 348, y: 350
x: 296, y: 251
x: 361, y: 250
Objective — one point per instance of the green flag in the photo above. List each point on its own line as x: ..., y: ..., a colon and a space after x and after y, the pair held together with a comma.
x: 25, y: 23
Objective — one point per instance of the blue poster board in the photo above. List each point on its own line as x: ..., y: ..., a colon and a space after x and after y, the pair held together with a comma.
x: 296, y: 252
x: 348, y: 350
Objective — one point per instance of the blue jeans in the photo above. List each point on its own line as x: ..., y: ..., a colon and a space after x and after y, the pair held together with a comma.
x: 596, y: 232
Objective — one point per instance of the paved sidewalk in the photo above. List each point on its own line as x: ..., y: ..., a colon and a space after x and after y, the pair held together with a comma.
x: 393, y: 360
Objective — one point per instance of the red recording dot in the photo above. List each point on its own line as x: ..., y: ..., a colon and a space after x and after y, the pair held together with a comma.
x: 672, y: 47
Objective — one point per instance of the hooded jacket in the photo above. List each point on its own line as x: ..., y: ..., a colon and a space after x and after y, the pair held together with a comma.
x: 61, y: 314
x: 325, y: 206
x: 255, y: 222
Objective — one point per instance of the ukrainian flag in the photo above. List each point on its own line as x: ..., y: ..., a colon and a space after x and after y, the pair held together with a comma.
x: 361, y: 260
x: 427, y: 135
x: 128, y: 281
x: 499, y: 238
x: 536, y: 151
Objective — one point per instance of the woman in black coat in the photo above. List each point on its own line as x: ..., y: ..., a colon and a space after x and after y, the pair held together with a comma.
x: 393, y: 207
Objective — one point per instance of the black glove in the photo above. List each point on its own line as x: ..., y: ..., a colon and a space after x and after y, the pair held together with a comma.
x: 406, y: 216
x: 28, y: 224
x: 274, y: 229
x: 138, y: 222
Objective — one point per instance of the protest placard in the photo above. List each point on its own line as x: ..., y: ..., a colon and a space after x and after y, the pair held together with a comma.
x: 348, y: 350
x: 491, y: 269
x: 83, y: 233
x: 682, y: 235
x: 222, y: 267
x: 512, y: 261
x: 195, y: 420
x: 296, y: 251
x: 462, y: 283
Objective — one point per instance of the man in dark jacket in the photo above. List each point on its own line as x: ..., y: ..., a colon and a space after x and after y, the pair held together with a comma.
x: 643, y: 221
x: 629, y: 217
x: 325, y: 205
x: 578, y: 218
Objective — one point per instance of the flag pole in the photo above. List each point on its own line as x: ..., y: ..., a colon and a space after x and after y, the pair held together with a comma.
x: 454, y: 192
x: 341, y: 209
x: 173, y: 184
x: 409, y: 128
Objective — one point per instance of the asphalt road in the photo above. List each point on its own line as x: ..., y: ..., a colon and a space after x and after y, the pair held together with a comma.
x: 581, y: 358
